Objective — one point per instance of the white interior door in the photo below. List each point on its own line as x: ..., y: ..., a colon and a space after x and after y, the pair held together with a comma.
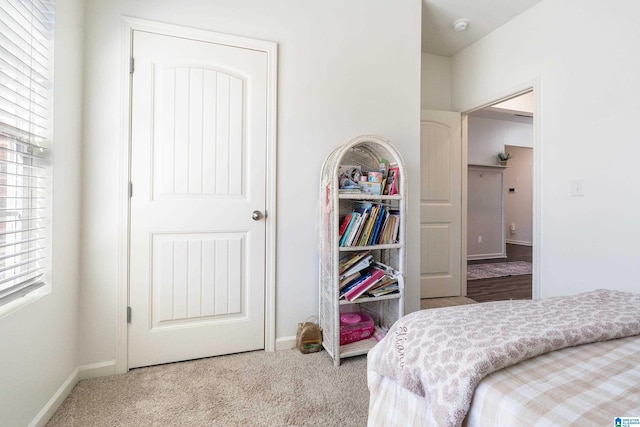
x: 441, y: 205
x: 198, y: 151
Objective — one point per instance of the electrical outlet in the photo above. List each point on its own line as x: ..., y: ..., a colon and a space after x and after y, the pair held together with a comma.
x: 479, y: 239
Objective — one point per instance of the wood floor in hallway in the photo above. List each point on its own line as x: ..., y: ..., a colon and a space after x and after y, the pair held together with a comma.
x: 503, y: 288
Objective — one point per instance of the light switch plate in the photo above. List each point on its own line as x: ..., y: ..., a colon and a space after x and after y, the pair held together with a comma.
x: 577, y: 188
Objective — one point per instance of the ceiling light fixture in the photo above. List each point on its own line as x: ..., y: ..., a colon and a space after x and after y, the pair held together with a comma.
x: 461, y: 24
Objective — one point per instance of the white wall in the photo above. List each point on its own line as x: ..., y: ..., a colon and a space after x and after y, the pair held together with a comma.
x: 345, y: 69
x: 435, y: 84
x: 39, y: 342
x: 518, y: 205
x: 485, y: 213
x: 587, y: 109
x: 487, y: 137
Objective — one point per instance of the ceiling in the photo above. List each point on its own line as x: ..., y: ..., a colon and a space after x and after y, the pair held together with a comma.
x: 438, y: 35
x: 517, y: 109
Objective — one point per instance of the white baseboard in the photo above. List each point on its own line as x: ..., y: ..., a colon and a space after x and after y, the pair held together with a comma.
x: 96, y: 370
x: 519, y: 242
x: 56, y: 400
x: 485, y: 256
x: 285, y: 343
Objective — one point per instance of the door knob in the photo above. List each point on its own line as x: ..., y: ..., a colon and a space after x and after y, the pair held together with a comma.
x: 256, y: 215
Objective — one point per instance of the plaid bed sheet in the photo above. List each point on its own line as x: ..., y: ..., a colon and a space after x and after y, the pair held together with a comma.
x: 587, y: 385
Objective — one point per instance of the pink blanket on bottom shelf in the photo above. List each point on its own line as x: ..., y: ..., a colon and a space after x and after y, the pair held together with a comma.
x: 442, y: 354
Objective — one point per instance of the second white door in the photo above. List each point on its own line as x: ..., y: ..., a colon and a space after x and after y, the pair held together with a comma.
x: 441, y: 204
x: 198, y: 151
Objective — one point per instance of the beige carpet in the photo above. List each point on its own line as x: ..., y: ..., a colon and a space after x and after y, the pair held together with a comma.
x: 285, y: 388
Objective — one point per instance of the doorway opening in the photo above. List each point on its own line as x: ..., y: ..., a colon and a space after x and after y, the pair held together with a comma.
x: 500, y: 207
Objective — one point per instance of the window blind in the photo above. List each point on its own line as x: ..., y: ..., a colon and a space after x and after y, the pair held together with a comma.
x: 26, y: 55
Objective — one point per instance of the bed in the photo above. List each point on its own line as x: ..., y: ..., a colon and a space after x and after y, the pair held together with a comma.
x: 557, y: 361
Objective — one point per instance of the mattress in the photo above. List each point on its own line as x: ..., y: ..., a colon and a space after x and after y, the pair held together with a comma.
x: 590, y: 384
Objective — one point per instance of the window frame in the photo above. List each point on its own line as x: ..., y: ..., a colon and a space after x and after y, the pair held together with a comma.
x: 26, y: 124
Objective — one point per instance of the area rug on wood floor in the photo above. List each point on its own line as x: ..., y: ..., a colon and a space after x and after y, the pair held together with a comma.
x: 497, y: 269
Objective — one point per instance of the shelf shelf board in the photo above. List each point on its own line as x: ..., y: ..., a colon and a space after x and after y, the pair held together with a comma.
x: 487, y: 166
x: 369, y: 248
x: 357, y: 348
x: 365, y: 196
x: 370, y: 299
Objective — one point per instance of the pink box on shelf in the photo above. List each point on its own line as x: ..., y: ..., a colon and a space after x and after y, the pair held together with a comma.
x: 355, y: 327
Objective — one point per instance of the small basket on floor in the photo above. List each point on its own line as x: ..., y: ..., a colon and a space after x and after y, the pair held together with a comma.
x: 309, y: 336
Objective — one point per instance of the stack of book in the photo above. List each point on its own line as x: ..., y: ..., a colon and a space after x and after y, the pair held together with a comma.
x: 384, y: 287
x: 360, y: 275
x: 369, y: 224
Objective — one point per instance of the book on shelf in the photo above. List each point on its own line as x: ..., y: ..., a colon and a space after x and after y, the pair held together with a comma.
x: 366, y: 232
x: 354, y: 229
x: 388, y: 284
x: 376, y: 226
x: 378, y: 291
x: 386, y: 230
x: 386, y: 281
x: 350, y: 259
x: 350, y: 190
x: 344, y: 282
x: 344, y: 224
x: 396, y: 226
x: 360, y: 227
x: 393, y: 229
x: 364, y: 209
x: 373, y: 275
x: 383, y: 224
x: 388, y: 270
x: 390, y: 228
x: 358, y: 266
x: 345, y: 235
x: 354, y: 283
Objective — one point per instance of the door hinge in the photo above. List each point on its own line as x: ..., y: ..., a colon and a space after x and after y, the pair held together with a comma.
x: 130, y: 189
x: 128, y: 314
x: 131, y: 65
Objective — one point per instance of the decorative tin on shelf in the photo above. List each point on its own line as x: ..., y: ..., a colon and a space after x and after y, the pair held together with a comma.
x: 355, y: 327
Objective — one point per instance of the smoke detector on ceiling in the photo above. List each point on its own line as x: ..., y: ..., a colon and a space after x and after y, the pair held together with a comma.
x: 461, y: 24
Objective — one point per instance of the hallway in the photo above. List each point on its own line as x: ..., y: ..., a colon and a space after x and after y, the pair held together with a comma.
x: 503, y: 288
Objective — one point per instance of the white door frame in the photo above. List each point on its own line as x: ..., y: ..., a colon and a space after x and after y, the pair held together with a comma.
x: 534, y: 86
x: 124, y: 169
